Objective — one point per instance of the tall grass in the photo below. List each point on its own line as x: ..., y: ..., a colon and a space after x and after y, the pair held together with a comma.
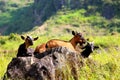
x: 5, y: 60
x: 107, y: 41
x: 103, y: 64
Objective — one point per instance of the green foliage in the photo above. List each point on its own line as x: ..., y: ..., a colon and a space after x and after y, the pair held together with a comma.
x: 16, y: 17
x: 4, y: 18
x: 102, y: 64
x: 2, y: 42
x: 13, y: 37
x: 2, y: 6
x: 21, y: 16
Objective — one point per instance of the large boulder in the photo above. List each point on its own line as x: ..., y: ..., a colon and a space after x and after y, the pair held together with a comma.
x: 43, y: 66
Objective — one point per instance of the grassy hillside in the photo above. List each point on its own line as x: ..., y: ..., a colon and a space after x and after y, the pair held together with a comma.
x: 66, y: 21
x: 23, y: 15
x: 17, y: 17
x: 102, y: 64
x: 105, y: 61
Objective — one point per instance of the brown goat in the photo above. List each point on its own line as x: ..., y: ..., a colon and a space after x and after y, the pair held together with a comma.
x: 22, y: 50
x: 78, y: 38
x: 40, y: 48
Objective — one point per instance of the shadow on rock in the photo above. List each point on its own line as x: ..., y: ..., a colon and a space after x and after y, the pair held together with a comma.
x: 43, y: 66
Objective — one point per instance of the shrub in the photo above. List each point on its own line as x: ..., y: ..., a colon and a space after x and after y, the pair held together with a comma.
x: 2, y: 41
x: 13, y: 37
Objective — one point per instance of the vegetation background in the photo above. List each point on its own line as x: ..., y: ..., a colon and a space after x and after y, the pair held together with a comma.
x: 98, y: 20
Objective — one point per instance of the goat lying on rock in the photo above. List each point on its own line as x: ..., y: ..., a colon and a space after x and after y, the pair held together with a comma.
x: 71, y: 44
x: 88, y: 49
x: 22, y: 50
x: 77, y: 39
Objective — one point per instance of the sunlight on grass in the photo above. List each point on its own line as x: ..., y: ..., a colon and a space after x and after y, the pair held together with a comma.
x: 107, y: 41
x: 102, y: 64
x: 3, y: 65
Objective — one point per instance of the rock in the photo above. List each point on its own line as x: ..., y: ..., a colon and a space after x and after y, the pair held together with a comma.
x: 42, y: 66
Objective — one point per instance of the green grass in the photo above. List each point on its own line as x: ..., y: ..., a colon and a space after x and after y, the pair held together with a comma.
x: 106, y: 41
x: 102, y: 64
x: 5, y: 59
x: 18, y: 17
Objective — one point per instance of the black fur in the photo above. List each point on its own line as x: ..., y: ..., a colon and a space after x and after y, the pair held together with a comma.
x: 22, y: 51
x: 88, y: 49
x: 46, y: 46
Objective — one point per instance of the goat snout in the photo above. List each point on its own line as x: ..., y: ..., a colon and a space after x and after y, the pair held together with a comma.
x: 31, y: 42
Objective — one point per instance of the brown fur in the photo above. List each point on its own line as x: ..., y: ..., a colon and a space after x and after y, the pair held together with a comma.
x: 56, y: 43
x: 40, y: 48
x: 78, y: 38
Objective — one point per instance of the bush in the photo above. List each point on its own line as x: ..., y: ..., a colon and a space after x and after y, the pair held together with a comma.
x: 13, y: 37
x: 2, y: 41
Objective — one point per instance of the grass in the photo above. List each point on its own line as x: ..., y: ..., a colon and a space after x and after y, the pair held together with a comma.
x: 5, y: 59
x: 107, y: 41
x: 109, y: 64
x: 102, y: 64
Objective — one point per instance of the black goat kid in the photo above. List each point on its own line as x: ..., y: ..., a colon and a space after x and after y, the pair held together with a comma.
x: 22, y: 50
x: 88, y: 49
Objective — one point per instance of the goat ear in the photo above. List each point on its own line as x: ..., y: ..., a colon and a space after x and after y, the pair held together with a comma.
x: 73, y: 32
x: 35, y: 38
x: 22, y: 37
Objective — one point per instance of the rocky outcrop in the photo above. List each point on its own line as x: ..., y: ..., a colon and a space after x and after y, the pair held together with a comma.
x: 43, y: 66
